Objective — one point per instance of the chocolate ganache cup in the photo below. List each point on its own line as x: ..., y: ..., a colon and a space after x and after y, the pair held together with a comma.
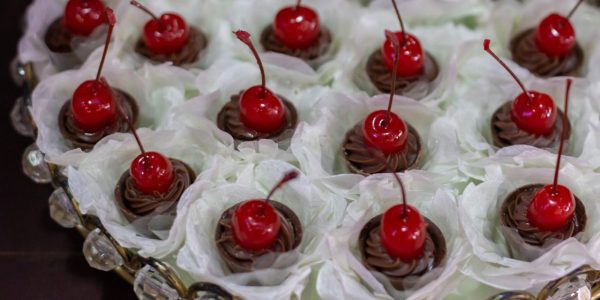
x: 365, y: 160
x: 229, y: 120
x: 58, y: 38
x: 381, y: 76
x: 513, y: 215
x: 86, y: 140
x: 376, y: 258
x: 311, y: 54
x: 241, y: 260
x: 135, y: 204
x: 505, y: 131
x: 190, y: 53
x: 526, y: 53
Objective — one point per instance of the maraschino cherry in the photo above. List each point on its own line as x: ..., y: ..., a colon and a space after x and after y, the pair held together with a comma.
x: 297, y: 27
x: 260, y: 108
x: 383, y: 129
x: 532, y: 111
x: 83, y: 16
x: 403, y: 230
x: 554, y: 205
x: 256, y: 223
x: 411, y: 58
x: 166, y: 34
x: 555, y: 35
x: 93, y: 105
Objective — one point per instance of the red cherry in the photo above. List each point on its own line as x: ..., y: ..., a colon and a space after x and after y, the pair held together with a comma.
x: 297, y: 27
x: 555, y: 36
x: 551, y: 208
x: 83, y: 16
x: 389, y: 136
x: 167, y: 35
x: 403, y: 232
x: 535, y: 115
x: 256, y: 225
x: 261, y: 110
x: 152, y: 173
x: 411, y: 59
x: 93, y: 106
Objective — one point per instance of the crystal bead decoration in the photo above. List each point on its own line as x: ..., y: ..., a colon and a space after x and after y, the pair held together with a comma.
x: 20, y: 118
x: 576, y: 288
x: 61, y: 209
x: 34, y: 165
x: 100, y: 252
x: 149, y: 284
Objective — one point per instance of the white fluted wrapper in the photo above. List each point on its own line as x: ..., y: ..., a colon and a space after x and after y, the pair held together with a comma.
x: 479, y: 206
x: 433, y: 11
x: 156, y: 89
x: 93, y: 185
x: 200, y: 257
x: 373, y: 197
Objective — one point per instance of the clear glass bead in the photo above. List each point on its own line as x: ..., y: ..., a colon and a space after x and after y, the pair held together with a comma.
x: 150, y: 285
x: 577, y: 288
x: 20, y: 118
x: 34, y: 165
x: 61, y: 209
x: 100, y: 252
x: 17, y: 72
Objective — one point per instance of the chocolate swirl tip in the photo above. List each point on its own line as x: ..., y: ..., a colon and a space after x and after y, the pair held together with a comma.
x: 513, y: 214
x: 241, y: 260
x: 376, y: 258
x: 86, y: 140
x: 365, y: 160
x: 58, y: 38
x: 190, y: 53
x: 321, y: 46
x: 135, y: 204
x: 526, y: 53
x: 229, y: 120
x: 381, y: 76
x: 505, y: 131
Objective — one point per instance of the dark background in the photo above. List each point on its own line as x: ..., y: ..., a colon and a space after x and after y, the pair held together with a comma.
x: 38, y: 258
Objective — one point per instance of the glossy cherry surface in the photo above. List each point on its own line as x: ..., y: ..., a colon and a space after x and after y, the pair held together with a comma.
x: 93, y: 106
x: 261, y: 110
x: 167, y: 34
x: 297, y: 27
x: 82, y: 17
x: 152, y: 173
x: 403, y: 232
x: 389, y: 136
x: 536, y: 115
x: 411, y: 59
x: 555, y: 36
x: 256, y: 224
x: 551, y: 208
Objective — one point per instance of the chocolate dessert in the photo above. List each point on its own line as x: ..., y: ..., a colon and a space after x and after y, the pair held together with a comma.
x: 197, y: 42
x: 526, y: 53
x: 513, y: 214
x: 241, y: 260
x: 86, y: 140
x: 229, y: 121
x: 505, y: 131
x: 270, y: 42
x: 381, y: 76
x: 365, y: 160
x: 135, y: 204
x: 376, y: 258
x: 58, y: 38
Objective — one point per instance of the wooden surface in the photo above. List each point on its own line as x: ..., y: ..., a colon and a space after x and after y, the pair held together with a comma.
x: 38, y: 259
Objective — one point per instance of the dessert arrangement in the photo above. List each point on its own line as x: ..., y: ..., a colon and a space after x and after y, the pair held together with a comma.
x: 257, y: 149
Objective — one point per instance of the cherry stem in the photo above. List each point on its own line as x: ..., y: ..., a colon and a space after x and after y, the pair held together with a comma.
x: 111, y: 20
x: 298, y: 4
x: 244, y: 36
x: 563, y: 133
x: 394, y: 39
x: 403, y: 190
x: 146, y: 10
x: 133, y: 131
x: 291, y: 175
x: 401, y: 22
x: 486, y: 47
x: 574, y: 9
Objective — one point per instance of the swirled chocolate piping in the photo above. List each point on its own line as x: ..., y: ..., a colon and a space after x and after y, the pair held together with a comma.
x: 229, y: 121
x: 197, y: 42
x: 505, y: 131
x: 270, y: 42
x: 376, y: 258
x: 381, y: 76
x: 513, y: 214
x: 135, y: 204
x: 526, y: 53
x: 241, y: 260
x: 86, y: 140
x: 58, y: 38
x: 365, y: 160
